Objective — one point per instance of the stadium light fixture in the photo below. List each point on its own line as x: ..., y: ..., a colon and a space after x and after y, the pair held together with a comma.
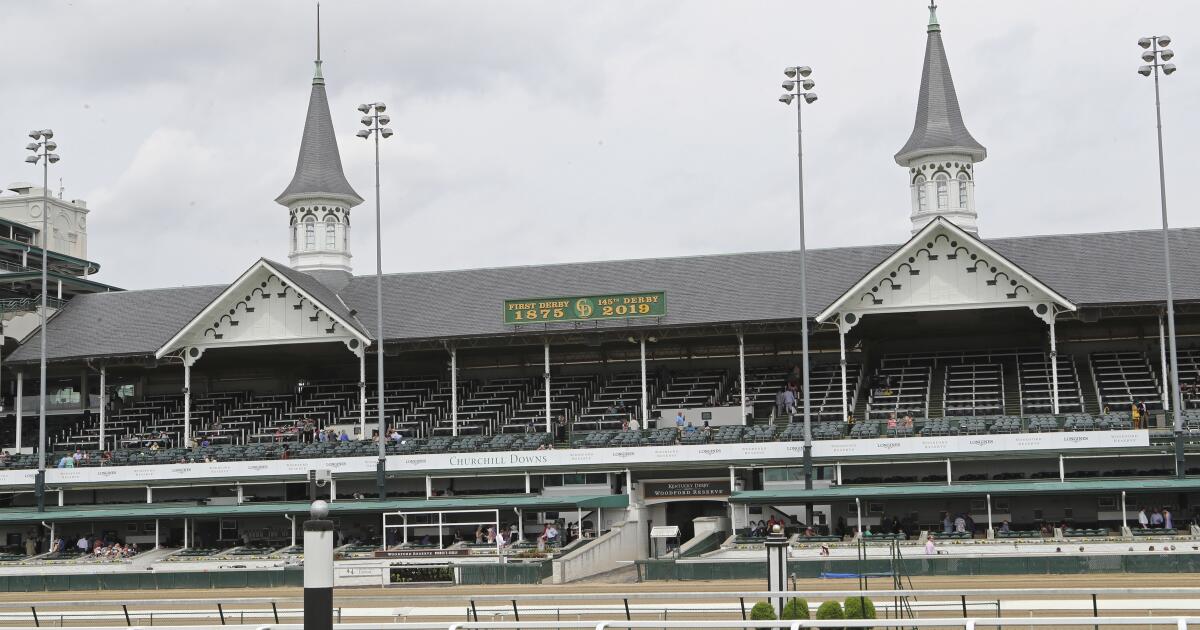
x: 374, y: 122
x: 1156, y: 53
x: 798, y: 87
x: 43, y: 149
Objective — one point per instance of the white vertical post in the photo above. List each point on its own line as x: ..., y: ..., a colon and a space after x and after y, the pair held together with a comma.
x: 362, y: 395
x: 185, y: 533
x: 1053, y: 367
x: 103, y: 402
x: 858, y: 515
x: 150, y: 494
x: 453, y: 391
x: 157, y: 538
x: 1166, y: 388
x: 549, y: 428
x: 842, y: 355
x: 20, y: 405
x: 949, y: 473
x: 187, y: 403
x: 1062, y: 469
x: 441, y: 525
x: 428, y: 487
x: 528, y: 487
x: 742, y: 371
x: 989, y: 506
x: 645, y: 400
x: 1124, y: 518
x: 293, y: 520
x: 318, y: 569
x: 838, y: 473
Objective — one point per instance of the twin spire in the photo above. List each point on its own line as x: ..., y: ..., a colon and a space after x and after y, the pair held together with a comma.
x: 939, y: 126
x: 319, y: 166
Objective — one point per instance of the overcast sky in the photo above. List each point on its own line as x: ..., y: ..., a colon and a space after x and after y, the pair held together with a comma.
x: 553, y: 131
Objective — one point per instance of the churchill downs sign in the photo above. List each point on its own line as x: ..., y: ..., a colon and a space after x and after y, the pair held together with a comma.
x: 585, y: 308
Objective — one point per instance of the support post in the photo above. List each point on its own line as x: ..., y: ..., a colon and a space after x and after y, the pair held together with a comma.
x: 362, y: 395
x: 549, y: 426
x: 1053, y: 366
x: 103, y: 403
x: 742, y: 371
x: 949, y: 473
x: 1062, y: 469
x: 991, y: 530
x: 20, y: 405
x: 1124, y: 518
x: 645, y: 400
x: 842, y: 359
x: 858, y: 515
x: 1162, y: 350
x: 318, y: 569
x: 777, y: 569
x: 157, y: 538
x: 185, y: 533
x: 453, y: 391
x: 187, y: 403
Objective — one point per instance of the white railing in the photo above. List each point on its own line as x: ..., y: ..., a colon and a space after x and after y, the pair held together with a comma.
x: 1181, y: 623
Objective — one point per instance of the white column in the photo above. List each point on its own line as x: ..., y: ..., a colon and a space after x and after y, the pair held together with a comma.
x: 187, y: 403
x: 1162, y: 349
x: 20, y: 405
x: 1062, y: 469
x: 528, y: 486
x: 362, y: 395
x: 1124, y: 519
x: 645, y: 400
x: 842, y: 355
x: 1053, y: 367
x: 742, y: 371
x: 989, y: 506
x: 428, y: 486
x: 103, y: 402
x: 549, y: 428
x: 949, y: 473
x: 453, y: 390
x: 150, y: 494
x: 185, y: 533
x: 157, y: 538
x: 60, y: 289
x: 858, y: 515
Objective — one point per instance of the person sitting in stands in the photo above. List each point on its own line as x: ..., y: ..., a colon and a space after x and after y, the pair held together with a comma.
x: 625, y: 424
x: 706, y: 429
x: 343, y: 437
x: 1136, y: 415
x: 891, y: 424
x: 689, y: 429
x: 633, y: 425
x: 680, y: 421
x: 771, y: 524
x: 1004, y: 528
x: 154, y: 446
x: 960, y: 524
x: 1156, y: 519
x: 1167, y: 522
x: 479, y: 534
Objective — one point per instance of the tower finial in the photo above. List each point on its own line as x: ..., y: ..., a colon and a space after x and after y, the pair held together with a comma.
x: 317, y: 71
x: 933, y: 22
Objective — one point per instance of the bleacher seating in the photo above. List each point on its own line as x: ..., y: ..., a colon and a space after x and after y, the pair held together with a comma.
x: 973, y: 389
x: 900, y: 387
x: 1123, y: 378
x: 687, y: 390
x: 1037, y: 387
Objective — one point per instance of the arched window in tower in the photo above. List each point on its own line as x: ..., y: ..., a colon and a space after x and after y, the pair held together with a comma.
x: 330, y: 232
x: 310, y: 233
x: 962, y: 190
x: 943, y: 190
x: 922, y: 201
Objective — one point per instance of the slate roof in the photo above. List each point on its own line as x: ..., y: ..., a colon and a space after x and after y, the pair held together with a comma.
x: 319, y: 166
x: 939, y: 126
x: 1088, y: 269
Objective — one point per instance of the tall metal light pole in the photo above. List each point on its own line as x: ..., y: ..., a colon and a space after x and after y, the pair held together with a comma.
x: 1157, y: 56
x: 375, y: 120
x: 798, y: 86
x: 43, y: 147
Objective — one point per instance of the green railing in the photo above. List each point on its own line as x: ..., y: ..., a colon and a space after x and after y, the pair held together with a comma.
x: 150, y: 581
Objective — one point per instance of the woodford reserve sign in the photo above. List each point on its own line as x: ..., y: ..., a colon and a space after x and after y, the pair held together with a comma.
x: 680, y: 489
x: 585, y: 307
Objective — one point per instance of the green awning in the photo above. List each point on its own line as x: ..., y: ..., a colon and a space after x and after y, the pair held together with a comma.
x: 999, y: 488
x: 348, y: 506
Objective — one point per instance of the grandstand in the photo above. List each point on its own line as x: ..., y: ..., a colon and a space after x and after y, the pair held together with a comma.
x: 951, y: 376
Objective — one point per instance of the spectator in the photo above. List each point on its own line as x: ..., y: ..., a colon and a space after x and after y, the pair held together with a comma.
x: 82, y: 544
x: 1156, y: 519
x: 1167, y: 522
x: 960, y: 524
x: 342, y: 437
x: 908, y: 421
x: 891, y: 422
x: 625, y: 424
x: 1004, y: 529
x: 680, y: 421
x: 947, y: 524
x: 930, y: 549
x: 1145, y: 413
x: 479, y: 534
x: 1137, y: 416
x: 706, y: 429
x: 1143, y: 520
x: 633, y: 425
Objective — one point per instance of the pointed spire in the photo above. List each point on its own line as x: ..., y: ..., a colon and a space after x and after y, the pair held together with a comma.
x: 939, y: 126
x: 933, y: 23
x: 319, y: 167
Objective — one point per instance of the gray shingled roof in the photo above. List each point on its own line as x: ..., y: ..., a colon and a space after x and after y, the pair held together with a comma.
x: 133, y: 323
x: 1088, y: 269
x: 939, y: 126
x: 319, y: 167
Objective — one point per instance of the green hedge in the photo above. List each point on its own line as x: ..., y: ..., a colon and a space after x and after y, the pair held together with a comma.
x: 151, y: 581
x: 509, y: 573
x: 1057, y: 564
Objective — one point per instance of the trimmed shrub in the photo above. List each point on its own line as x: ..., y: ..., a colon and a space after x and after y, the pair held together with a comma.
x: 860, y: 608
x: 762, y: 611
x: 829, y: 611
x: 795, y: 608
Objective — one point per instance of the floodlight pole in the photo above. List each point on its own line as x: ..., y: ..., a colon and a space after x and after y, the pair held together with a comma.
x: 808, y: 463
x: 1173, y: 377
x: 374, y: 119
x: 42, y: 150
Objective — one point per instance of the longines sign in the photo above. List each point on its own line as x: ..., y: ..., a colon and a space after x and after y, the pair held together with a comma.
x: 518, y: 462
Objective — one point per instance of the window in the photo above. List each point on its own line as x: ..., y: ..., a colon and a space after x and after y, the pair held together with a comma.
x: 922, y: 202
x: 943, y: 190
x: 310, y: 234
x: 962, y: 190
x: 330, y: 233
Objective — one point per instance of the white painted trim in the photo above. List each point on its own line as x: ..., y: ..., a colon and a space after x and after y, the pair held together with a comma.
x: 905, y: 250
x: 205, y: 314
